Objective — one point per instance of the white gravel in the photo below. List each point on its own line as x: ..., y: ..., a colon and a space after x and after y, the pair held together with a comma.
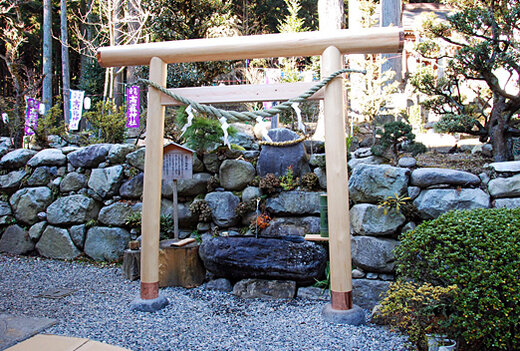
x: 195, y: 319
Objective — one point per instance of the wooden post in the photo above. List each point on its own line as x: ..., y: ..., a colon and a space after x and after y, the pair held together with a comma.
x: 337, y: 184
x: 175, y: 211
x: 150, y: 226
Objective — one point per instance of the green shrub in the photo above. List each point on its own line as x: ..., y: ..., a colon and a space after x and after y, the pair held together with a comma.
x: 479, y: 251
x: 107, y: 122
x: 204, y: 134
x: 395, y: 138
x: 417, y: 310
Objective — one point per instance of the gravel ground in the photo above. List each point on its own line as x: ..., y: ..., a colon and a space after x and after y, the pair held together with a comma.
x: 195, y: 319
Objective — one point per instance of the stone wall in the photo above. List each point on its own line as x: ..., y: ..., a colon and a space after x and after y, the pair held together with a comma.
x: 68, y: 202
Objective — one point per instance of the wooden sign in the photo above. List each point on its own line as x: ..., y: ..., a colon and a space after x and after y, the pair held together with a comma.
x: 177, y: 162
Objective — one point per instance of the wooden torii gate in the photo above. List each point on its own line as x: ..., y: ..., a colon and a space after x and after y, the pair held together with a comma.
x: 332, y: 46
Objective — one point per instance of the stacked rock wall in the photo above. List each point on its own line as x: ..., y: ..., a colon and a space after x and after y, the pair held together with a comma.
x: 63, y: 203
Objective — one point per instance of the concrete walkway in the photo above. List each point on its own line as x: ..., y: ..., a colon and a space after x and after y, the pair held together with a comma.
x: 62, y: 343
x: 18, y: 333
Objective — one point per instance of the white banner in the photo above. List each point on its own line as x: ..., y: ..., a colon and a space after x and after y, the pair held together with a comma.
x: 76, y: 108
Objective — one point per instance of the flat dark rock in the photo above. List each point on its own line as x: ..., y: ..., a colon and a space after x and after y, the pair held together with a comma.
x: 266, y: 258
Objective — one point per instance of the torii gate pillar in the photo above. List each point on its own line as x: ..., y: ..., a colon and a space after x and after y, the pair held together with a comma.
x: 150, y: 300
x: 341, y: 308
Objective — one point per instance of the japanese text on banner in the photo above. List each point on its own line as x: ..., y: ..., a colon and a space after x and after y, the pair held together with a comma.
x: 76, y: 108
x: 132, y: 106
x: 31, y: 116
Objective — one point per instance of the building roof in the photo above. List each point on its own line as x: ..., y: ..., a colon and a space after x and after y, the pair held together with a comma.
x: 411, y: 13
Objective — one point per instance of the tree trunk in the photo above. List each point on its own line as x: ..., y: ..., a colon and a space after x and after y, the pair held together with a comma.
x: 498, y: 131
x: 65, y: 64
x: 47, y: 55
x: 118, y: 37
x: 331, y: 18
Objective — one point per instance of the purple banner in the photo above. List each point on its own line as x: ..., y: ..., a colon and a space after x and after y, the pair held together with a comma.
x: 31, y: 116
x: 132, y: 106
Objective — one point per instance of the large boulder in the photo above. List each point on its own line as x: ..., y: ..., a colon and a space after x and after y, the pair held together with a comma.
x: 292, y: 226
x: 242, y: 139
x: 373, y: 183
x: 5, y: 209
x: 73, y: 209
x: 294, y: 203
x: 505, y: 187
x: 186, y: 218
x: 16, y: 159
x: 236, y: 174
x: 16, y: 241
x: 40, y: 176
x: 426, y: 177
x: 434, y: 202
x: 27, y: 203
x: 507, y: 203
x: 276, y: 159
x: 211, y: 162
x: 506, y: 167
x: 106, y: 244
x: 368, y: 219
x: 136, y: 159
x: 36, y: 230
x: 266, y: 258
x: 373, y: 254
x: 261, y: 288
x: 48, y: 157
x: 90, y: 156
x: 118, y: 153
x: 77, y: 234
x: 12, y: 180
x: 56, y: 243
x: 133, y: 188
x: 250, y: 193
x: 367, y: 293
x: 117, y: 213
x: 73, y: 181
x: 106, y: 181
x: 188, y: 187
x: 223, y: 205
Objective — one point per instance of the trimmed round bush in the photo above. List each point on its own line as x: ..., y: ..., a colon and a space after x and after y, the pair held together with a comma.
x: 479, y: 251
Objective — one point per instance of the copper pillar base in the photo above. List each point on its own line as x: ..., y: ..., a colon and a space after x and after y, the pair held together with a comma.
x: 341, y: 300
x: 149, y: 291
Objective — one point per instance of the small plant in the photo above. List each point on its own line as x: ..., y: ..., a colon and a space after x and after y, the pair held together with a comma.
x: 288, y: 181
x: 325, y: 283
x: 394, y: 203
x: 50, y: 124
x: 269, y: 184
x: 259, y: 223
x: 417, y: 310
x: 244, y: 208
x: 213, y: 183
x: 309, y: 181
x: 133, y: 220
x: 255, y: 181
x: 91, y: 223
x: 201, y: 208
x: 4, y: 197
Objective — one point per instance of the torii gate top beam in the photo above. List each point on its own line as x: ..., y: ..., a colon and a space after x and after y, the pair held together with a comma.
x: 367, y: 41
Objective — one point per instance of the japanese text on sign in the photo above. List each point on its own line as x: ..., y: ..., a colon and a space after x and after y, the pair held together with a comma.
x: 177, y: 166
